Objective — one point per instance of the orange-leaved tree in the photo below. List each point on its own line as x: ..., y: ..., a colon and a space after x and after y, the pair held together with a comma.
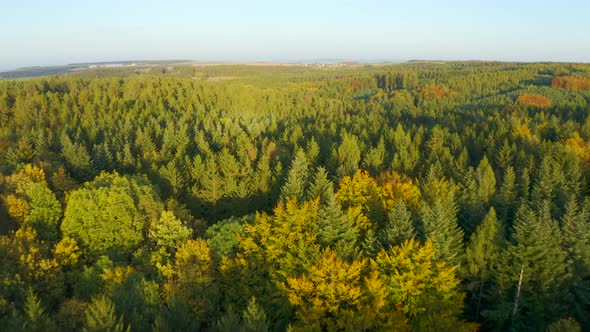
x: 571, y: 83
x: 531, y: 99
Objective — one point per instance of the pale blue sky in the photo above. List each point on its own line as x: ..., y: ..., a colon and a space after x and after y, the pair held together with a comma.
x: 47, y: 32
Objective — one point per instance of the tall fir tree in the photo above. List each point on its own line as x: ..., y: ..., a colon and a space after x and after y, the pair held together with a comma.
x: 530, y: 290
x: 505, y: 200
x: 101, y: 316
x: 486, y: 181
x: 398, y: 227
x: 297, y: 178
x: 482, y: 253
x: 320, y: 186
x: 255, y: 319
x: 35, y: 318
x: 576, y: 242
x: 472, y: 206
x: 371, y: 244
x: 440, y: 224
x: 336, y: 230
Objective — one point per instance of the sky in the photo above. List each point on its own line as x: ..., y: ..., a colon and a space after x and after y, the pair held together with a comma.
x: 42, y: 32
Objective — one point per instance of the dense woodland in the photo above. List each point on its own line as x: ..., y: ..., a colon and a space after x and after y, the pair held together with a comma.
x: 407, y: 197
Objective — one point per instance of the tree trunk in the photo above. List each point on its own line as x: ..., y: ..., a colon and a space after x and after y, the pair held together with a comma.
x: 517, y: 297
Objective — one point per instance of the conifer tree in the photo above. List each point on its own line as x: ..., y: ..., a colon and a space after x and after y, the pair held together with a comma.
x: 312, y: 152
x: 440, y: 224
x: 486, y: 180
x: 370, y: 245
x: 576, y: 242
x: 255, y: 319
x: 100, y: 316
x: 229, y: 321
x: 565, y: 325
x: 335, y: 229
x: 35, y: 318
x: 320, y: 186
x: 77, y: 158
x: 507, y: 195
x: 213, y: 186
x: 473, y: 207
x: 576, y: 235
x: 484, y: 249
x: 297, y: 178
x: 398, y: 227
x: 530, y: 283
x: 544, y: 186
x: 373, y: 160
x: 347, y: 156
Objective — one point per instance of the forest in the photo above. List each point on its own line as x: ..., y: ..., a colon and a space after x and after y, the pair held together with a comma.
x: 422, y: 196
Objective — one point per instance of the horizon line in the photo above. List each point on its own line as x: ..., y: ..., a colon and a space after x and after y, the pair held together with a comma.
x: 302, y: 61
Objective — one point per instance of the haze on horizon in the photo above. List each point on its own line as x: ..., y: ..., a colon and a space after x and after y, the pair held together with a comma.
x: 35, y: 32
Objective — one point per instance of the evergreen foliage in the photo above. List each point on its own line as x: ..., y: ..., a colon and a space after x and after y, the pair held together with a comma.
x: 412, y: 196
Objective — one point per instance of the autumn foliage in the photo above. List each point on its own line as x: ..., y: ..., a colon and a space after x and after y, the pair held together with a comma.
x: 571, y: 83
x: 531, y: 99
x: 434, y: 92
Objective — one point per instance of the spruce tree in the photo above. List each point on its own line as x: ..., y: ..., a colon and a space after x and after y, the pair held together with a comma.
x: 482, y: 253
x: 336, y: 230
x: 100, y: 316
x: 297, y: 178
x: 472, y: 205
x: 320, y: 186
x: 440, y: 224
x: 530, y: 282
x: 312, y: 151
x: 255, y: 319
x: 565, y: 325
x: 576, y: 242
x: 576, y: 235
x: 35, y: 318
x: 544, y: 186
x: 398, y: 227
x: 486, y: 181
x: 371, y: 245
x: 505, y: 200
x: 229, y: 321
x: 347, y: 156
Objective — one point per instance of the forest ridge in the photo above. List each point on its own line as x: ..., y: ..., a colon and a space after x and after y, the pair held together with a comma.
x: 396, y: 197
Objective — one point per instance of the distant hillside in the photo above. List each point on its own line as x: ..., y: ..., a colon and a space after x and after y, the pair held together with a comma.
x: 76, y: 67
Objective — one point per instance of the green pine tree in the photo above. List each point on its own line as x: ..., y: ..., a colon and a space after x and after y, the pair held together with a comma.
x: 576, y: 242
x: 565, y: 325
x: 486, y: 180
x: 472, y: 206
x: 371, y: 245
x: 297, y: 178
x: 100, y: 316
x: 505, y: 200
x: 230, y: 321
x: 530, y: 282
x: 255, y: 319
x: 35, y: 318
x: 398, y: 227
x: 440, y: 224
x: 348, y: 155
x: 321, y: 186
x: 335, y: 229
x: 484, y: 249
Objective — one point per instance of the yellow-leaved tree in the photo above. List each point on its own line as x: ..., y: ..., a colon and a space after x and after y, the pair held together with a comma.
x: 334, y: 296
x: 423, y: 288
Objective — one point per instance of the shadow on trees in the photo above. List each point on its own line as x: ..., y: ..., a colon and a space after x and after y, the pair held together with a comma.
x: 540, y: 80
x: 228, y: 207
